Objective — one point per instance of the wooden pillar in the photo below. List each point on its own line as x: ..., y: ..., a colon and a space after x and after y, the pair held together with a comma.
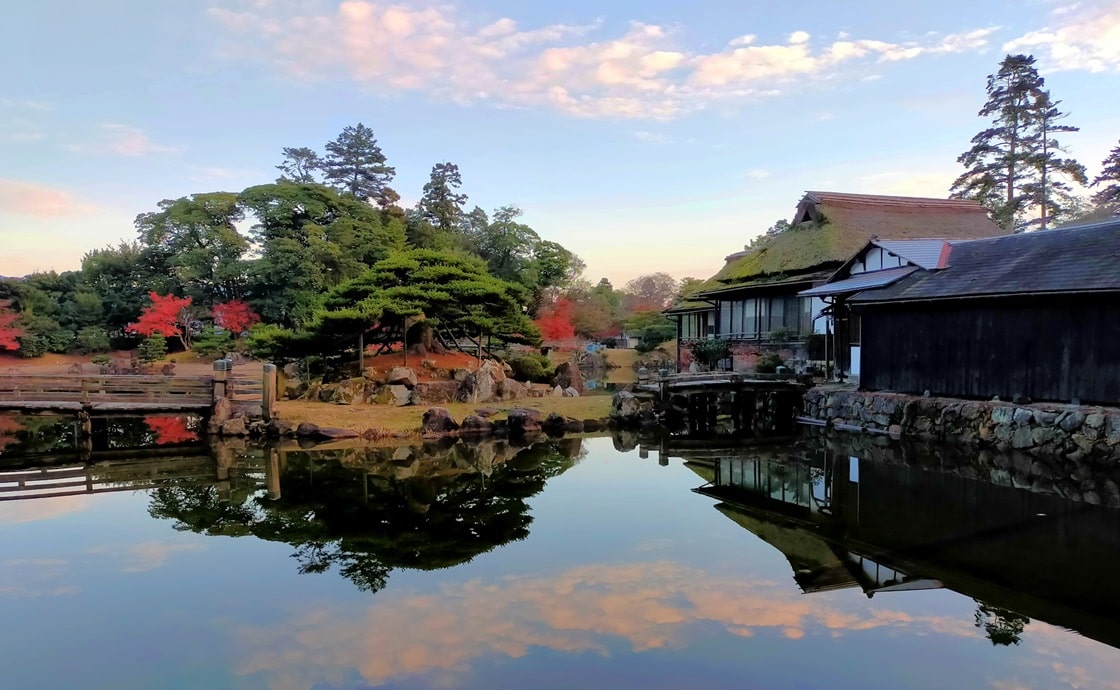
x: 221, y: 377
x: 268, y: 390
x: 272, y: 474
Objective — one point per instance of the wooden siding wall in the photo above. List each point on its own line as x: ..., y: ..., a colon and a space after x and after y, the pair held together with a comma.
x: 1046, y: 349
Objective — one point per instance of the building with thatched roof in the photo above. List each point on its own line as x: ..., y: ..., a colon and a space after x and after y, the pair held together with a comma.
x: 753, y: 300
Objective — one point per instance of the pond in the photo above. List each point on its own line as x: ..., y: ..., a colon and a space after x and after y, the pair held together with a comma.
x: 824, y: 562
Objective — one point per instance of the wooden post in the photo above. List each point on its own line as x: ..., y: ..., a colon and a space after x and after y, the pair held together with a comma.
x: 268, y: 390
x: 361, y: 352
x: 221, y: 376
x: 272, y: 474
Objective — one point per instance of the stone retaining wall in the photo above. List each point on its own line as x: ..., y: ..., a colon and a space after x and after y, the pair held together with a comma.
x: 1040, y: 430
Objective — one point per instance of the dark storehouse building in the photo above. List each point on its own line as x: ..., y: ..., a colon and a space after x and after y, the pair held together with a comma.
x: 1030, y: 316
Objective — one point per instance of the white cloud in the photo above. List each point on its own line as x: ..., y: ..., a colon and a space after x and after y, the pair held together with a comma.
x: 758, y: 174
x: 122, y: 140
x: 641, y: 73
x: 1084, y: 39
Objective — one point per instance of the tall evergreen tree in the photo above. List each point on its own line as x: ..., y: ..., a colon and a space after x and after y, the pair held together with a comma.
x: 441, y: 205
x: 354, y: 163
x: 1049, y: 191
x: 300, y: 165
x: 1109, y: 182
x: 998, y: 160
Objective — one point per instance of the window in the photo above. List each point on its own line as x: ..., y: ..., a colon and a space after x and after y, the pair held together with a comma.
x: 725, y: 317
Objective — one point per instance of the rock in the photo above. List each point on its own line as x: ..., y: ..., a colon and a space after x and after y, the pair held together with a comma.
x: 436, y: 391
x: 428, y: 363
x: 327, y: 392
x: 1072, y: 421
x: 486, y: 411
x: 1022, y: 416
x: 571, y: 393
x: 523, y: 421
x: 332, y: 434
x: 477, y: 387
x: 291, y: 370
x: 402, y: 396
x: 306, y: 429
x: 1095, y: 420
x: 568, y: 376
x: 509, y: 389
x: 1045, y: 418
x: 557, y: 392
x: 625, y: 406
x: 475, y: 424
x: 223, y: 410
x: 402, y: 376
x: 1003, y: 415
x: 459, y: 375
x: 594, y: 425
x: 234, y: 427
x: 495, y: 370
x: 280, y: 427
x: 437, y: 420
x: 379, y: 395
x: 294, y: 389
x: 553, y: 424
x: 344, y: 395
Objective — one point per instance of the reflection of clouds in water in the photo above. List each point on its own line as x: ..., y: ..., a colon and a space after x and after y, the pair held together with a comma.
x: 583, y: 609
x: 35, y: 510
x: 34, y: 577
x: 1067, y: 660
x: 149, y: 555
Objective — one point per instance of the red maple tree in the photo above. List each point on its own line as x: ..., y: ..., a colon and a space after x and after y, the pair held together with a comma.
x: 166, y: 315
x: 9, y: 427
x: 170, y: 430
x: 235, y: 316
x: 9, y: 330
x: 555, y: 320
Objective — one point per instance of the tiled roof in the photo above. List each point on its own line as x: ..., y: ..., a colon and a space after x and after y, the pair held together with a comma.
x: 924, y: 253
x: 1083, y: 258
x: 860, y: 281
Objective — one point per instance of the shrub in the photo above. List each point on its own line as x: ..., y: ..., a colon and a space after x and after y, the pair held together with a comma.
x: 153, y: 349
x: 532, y: 367
x: 211, y: 341
x: 711, y: 351
x: 32, y: 346
x: 783, y: 335
x: 91, y: 339
x: 768, y: 363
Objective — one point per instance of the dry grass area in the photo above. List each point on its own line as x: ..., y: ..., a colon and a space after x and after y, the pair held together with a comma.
x: 387, y: 418
x: 622, y: 359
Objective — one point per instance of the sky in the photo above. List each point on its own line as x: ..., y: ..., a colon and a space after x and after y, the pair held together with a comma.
x: 644, y: 135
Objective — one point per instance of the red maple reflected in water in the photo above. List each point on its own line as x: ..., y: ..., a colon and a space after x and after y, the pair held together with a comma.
x: 9, y: 427
x: 170, y: 430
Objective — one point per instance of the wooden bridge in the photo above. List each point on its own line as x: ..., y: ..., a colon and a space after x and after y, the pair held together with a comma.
x: 747, y: 404
x: 108, y: 393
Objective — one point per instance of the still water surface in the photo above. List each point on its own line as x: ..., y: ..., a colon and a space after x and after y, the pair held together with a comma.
x: 571, y: 564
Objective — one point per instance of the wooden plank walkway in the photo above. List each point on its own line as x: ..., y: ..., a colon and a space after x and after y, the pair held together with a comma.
x: 106, y: 393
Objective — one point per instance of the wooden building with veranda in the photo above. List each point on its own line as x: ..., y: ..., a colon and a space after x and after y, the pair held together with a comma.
x: 1030, y: 316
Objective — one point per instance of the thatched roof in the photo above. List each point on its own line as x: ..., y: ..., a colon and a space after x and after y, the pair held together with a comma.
x: 830, y: 227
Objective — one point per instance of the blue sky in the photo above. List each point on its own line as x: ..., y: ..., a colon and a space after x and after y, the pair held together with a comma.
x: 644, y: 136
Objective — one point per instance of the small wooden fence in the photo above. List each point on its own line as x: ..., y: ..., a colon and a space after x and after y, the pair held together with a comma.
x: 106, y: 393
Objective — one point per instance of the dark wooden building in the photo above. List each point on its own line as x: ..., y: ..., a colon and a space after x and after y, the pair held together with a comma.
x: 1035, y: 315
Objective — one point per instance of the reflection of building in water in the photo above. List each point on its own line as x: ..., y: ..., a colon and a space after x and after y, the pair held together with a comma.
x: 770, y: 498
x: 903, y: 520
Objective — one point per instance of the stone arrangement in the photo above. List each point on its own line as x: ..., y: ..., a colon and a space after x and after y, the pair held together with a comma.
x: 1071, y: 432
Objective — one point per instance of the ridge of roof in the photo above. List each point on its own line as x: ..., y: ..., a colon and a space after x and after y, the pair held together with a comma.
x: 822, y: 197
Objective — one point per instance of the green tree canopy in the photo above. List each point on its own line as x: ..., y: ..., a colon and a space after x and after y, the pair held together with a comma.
x: 441, y: 205
x: 197, y: 238
x: 355, y: 164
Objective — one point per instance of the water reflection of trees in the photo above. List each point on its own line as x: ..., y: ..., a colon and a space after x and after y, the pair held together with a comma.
x: 1002, y: 626
x: 367, y: 512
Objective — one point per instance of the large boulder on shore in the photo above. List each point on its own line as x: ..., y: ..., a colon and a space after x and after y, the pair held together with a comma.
x: 402, y: 376
x: 522, y: 420
x: 568, y: 375
x: 437, y: 420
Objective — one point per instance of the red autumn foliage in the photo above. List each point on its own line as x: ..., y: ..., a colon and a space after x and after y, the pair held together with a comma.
x: 9, y: 426
x: 555, y: 320
x: 235, y: 316
x: 170, y: 430
x: 165, y: 316
x: 9, y: 331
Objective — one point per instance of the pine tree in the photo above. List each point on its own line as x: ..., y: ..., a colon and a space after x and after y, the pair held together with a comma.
x: 300, y: 165
x: 998, y: 159
x: 354, y: 163
x: 1049, y: 191
x: 441, y: 205
x: 1109, y: 194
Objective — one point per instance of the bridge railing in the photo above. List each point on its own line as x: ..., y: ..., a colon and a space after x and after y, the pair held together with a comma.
x: 23, y: 390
